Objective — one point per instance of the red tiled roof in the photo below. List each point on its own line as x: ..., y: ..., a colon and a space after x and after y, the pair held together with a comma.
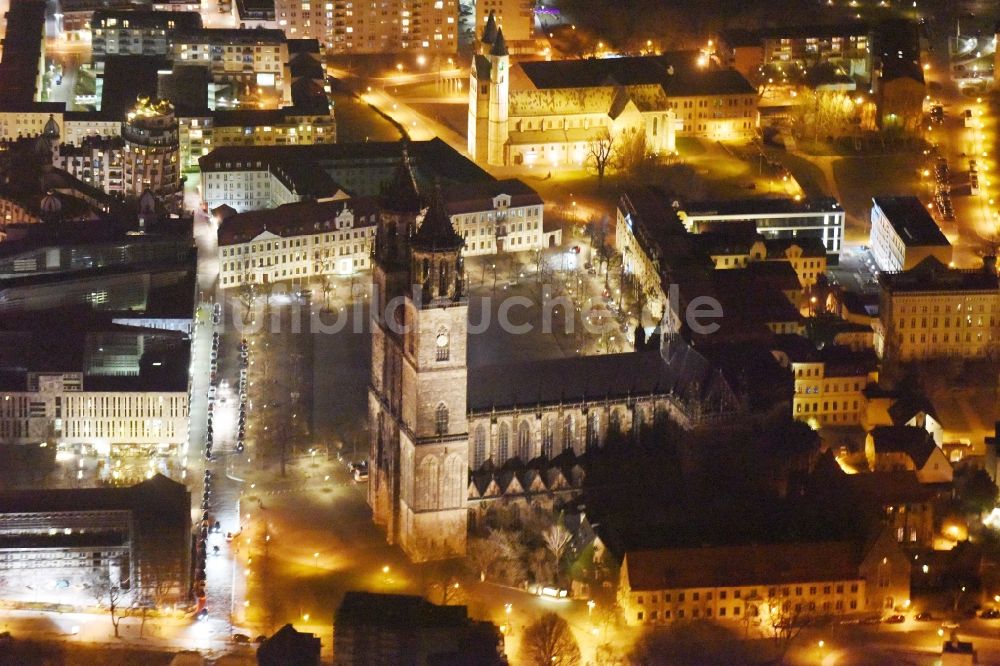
x: 295, y: 219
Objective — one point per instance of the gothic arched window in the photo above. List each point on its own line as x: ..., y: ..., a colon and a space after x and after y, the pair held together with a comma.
x: 479, y: 447
x: 428, y: 483
x: 594, y: 430
x: 455, y: 481
x: 524, y: 441
x: 441, y: 419
x: 443, y: 279
x: 568, y: 432
x: 503, y: 444
x: 547, y: 437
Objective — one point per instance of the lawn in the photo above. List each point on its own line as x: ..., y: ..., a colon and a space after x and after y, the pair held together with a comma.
x: 809, y: 176
x: 861, y: 178
x: 357, y: 122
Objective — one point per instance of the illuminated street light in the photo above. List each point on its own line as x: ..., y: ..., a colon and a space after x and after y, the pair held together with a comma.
x: 590, y: 607
x: 385, y: 569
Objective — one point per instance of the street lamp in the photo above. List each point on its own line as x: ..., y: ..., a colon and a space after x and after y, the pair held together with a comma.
x: 590, y: 607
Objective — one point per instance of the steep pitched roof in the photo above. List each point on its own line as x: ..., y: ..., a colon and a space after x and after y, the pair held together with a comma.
x: 490, y: 31
x: 400, y: 194
x: 436, y: 231
x: 499, y: 47
x: 915, y: 442
x: 766, y: 564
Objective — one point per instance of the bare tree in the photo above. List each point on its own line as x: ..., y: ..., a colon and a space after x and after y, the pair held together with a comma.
x: 549, y: 640
x: 109, y: 594
x: 327, y: 286
x: 500, y: 556
x: 557, y: 539
x: 600, y: 149
x: 631, y: 151
x: 248, y: 295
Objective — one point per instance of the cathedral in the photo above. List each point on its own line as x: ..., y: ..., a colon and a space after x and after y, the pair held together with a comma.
x: 546, y: 113
x: 447, y: 438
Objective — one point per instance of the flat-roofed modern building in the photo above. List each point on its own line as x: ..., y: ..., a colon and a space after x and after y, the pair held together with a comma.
x: 932, y: 311
x: 903, y: 234
x: 62, y: 545
x: 777, y: 218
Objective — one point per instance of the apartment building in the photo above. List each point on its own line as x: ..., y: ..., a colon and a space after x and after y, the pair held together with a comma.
x: 515, y: 17
x: 97, y: 161
x: 933, y: 311
x: 265, y: 127
x: 255, y: 58
x: 499, y: 216
x: 137, y: 32
x: 903, y: 234
x: 384, y: 26
x: 151, y: 156
x: 847, y: 45
x: 766, y: 582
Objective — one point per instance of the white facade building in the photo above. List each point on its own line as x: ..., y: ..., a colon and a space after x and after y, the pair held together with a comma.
x: 903, y: 234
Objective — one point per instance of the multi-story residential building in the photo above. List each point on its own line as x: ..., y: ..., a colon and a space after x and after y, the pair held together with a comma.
x: 766, y: 582
x: 23, y: 62
x: 830, y: 383
x: 548, y: 113
x: 296, y: 242
x: 97, y: 161
x: 387, y: 26
x: 776, y: 219
x: 256, y: 14
x: 254, y: 58
x: 933, y: 311
x: 137, y: 538
x: 848, y: 46
x: 903, y: 234
x: 267, y: 127
x: 516, y: 17
x: 137, y: 32
x: 152, y: 152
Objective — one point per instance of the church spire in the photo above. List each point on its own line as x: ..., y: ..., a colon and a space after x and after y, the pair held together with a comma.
x: 490, y: 31
x: 436, y: 232
x: 499, y: 45
x: 400, y: 194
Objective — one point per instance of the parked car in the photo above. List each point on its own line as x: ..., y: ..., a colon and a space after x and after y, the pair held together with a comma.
x: 242, y: 639
x: 990, y: 614
x: 895, y: 619
x: 924, y: 617
x: 202, y: 614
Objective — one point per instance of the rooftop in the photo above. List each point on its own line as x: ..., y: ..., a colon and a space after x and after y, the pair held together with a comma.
x: 397, y: 611
x: 763, y: 564
x: 915, y: 442
x: 759, y: 206
x: 156, y: 495
x: 911, y: 221
x: 677, y: 73
x: 932, y: 275
x: 296, y: 219
x: 143, y: 18
x: 474, y: 196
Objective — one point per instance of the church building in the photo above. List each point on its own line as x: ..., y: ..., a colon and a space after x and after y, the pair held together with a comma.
x: 439, y: 428
x: 546, y: 113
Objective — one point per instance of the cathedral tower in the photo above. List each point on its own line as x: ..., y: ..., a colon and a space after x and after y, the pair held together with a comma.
x: 417, y: 401
x: 489, y: 93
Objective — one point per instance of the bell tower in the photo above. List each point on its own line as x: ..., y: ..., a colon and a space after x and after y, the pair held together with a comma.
x: 399, y: 208
x: 417, y: 401
x: 489, y: 86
